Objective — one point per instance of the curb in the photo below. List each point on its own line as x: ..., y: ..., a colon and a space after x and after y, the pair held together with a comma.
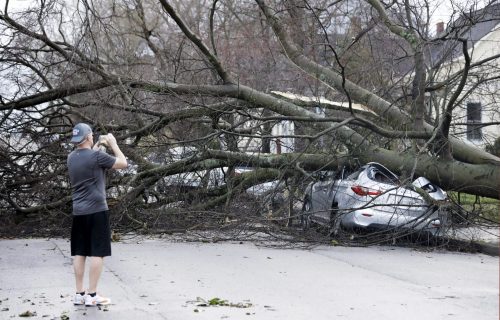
x: 491, y: 249
x: 461, y: 245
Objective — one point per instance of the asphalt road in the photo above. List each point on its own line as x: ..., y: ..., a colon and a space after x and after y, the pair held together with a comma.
x: 162, y: 279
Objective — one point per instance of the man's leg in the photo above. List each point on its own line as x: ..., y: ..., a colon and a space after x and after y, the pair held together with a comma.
x: 79, y: 267
x: 96, y: 265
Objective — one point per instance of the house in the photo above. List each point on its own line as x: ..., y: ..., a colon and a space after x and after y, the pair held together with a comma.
x: 477, y: 115
x: 278, y: 137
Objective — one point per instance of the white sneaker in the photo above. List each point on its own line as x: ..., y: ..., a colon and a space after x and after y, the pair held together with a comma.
x: 95, y: 301
x: 79, y: 299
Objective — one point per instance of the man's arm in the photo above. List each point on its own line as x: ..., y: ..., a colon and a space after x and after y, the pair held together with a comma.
x: 121, y: 161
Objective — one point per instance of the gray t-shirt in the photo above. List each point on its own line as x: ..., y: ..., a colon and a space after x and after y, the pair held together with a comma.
x: 86, y: 172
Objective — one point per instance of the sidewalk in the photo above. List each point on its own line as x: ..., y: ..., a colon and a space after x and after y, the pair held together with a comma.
x: 158, y: 279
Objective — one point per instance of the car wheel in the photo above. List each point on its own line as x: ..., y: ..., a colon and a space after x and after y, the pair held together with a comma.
x: 305, y: 215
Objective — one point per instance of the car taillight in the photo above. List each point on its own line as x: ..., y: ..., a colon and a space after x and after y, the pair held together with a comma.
x: 436, y: 223
x: 363, y: 191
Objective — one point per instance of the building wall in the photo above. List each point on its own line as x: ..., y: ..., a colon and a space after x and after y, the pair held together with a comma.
x: 487, y: 94
x: 278, y: 143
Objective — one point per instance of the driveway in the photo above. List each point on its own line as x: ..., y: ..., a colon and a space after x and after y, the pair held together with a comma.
x: 164, y: 279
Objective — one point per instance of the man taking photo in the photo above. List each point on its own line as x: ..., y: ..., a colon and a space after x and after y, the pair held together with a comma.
x: 90, y: 232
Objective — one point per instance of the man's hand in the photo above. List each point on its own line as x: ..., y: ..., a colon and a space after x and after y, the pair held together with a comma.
x: 121, y: 161
x: 110, y: 138
x: 102, y: 143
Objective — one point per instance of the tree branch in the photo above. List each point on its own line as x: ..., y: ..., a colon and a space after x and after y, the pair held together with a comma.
x: 197, y: 42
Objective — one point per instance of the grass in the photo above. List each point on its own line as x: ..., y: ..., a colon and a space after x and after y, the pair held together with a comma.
x: 484, y: 207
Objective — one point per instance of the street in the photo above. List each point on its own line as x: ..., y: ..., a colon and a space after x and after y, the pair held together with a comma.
x: 165, y: 279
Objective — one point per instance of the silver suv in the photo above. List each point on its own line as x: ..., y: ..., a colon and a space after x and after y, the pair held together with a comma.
x: 373, y: 197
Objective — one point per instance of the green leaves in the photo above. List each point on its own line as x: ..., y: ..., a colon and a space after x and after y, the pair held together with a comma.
x: 218, y: 302
x: 27, y: 314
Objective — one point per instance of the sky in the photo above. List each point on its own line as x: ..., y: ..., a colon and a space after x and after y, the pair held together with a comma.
x: 441, y: 11
x: 444, y: 10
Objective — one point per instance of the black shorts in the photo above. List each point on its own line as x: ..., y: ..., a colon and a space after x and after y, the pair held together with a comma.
x: 91, y: 235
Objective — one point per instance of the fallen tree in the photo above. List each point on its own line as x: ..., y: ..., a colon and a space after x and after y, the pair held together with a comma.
x: 186, y: 83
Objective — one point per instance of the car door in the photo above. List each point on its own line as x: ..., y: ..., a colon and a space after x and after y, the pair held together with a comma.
x: 343, y: 194
x: 321, y: 197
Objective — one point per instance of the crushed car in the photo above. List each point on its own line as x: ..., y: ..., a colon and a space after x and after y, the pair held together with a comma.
x: 373, y: 198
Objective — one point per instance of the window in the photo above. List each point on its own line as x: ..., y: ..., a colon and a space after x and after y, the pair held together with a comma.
x: 378, y: 176
x: 474, y: 121
x: 355, y: 175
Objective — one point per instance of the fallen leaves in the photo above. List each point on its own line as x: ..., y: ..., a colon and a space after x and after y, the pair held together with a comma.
x: 218, y: 302
x: 27, y: 314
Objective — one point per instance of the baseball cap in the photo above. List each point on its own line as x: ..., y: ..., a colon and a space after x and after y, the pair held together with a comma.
x: 80, y: 131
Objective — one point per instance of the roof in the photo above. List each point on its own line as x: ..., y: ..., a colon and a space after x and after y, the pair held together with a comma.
x: 321, y: 101
x: 472, y: 25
